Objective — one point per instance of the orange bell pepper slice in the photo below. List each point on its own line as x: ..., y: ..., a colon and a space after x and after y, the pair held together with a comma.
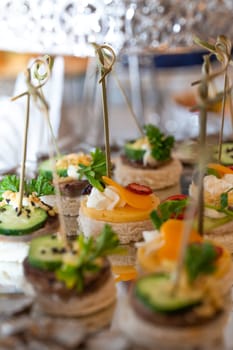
x: 172, y: 231
x: 221, y: 169
x: 135, y: 200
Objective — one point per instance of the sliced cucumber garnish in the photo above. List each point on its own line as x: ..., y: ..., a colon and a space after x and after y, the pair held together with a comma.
x: 226, y: 155
x: 211, y: 223
x: 46, y: 169
x: 45, y: 252
x: 28, y: 221
x: 155, y: 292
x: 133, y: 152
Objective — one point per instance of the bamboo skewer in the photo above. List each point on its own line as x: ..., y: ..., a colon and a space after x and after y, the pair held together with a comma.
x: 24, y: 153
x: 37, y: 93
x: 222, y: 50
x: 203, y: 93
x: 128, y: 104
x: 188, y: 223
x: 222, y: 117
x: 199, y: 206
x: 105, y: 68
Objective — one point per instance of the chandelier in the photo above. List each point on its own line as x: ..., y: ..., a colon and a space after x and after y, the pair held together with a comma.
x: 68, y: 27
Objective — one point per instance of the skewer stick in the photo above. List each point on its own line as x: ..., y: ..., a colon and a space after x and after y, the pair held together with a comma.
x: 128, y: 104
x: 188, y: 220
x: 188, y: 223
x: 62, y: 228
x: 106, y: 127
x: 105, y: 68
x: 222, y: 117
x: 203, y: 94
x: 37, y: 93
x: 222, y: 50
x: 24, y: 154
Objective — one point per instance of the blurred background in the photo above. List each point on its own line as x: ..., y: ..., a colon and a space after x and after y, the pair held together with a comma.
x: 156, y: 63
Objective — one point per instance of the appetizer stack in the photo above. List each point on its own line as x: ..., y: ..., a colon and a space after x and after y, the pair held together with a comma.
x: 218, y: 200
x: 160, y: 252
x: 148, y: 161
x: 35, y: 218
x: 74, y: 279
x: 74, y: 173
x: 193, y: 315
x: 127, y: 209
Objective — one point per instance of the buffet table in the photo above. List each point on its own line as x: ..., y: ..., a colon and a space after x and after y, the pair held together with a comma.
x: 23, y: 326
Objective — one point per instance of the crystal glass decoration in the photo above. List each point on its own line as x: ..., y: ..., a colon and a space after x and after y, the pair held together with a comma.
x: 152, y: 25
x: 62, y: 27
x: 69, y: 26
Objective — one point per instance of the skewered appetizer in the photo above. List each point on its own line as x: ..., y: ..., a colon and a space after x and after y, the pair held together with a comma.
x: 218, y: 200
x: 148, y: 161
x: 192, y: 314
x: 160, y: 252
x: 127, y: 209
x: 35, y: 218
x: 75, y: 172
x: 74, y: 280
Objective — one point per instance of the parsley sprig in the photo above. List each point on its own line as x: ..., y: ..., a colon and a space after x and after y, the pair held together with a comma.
x: 200, y: 259
x: 161, y: 144
x: 95, y: 170
x: 40, y: 186
x: 86, y: 260
x: 166, y: 210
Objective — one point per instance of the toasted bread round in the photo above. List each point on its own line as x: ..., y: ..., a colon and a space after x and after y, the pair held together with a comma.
x: 162, y: 177
x: 127, y: 231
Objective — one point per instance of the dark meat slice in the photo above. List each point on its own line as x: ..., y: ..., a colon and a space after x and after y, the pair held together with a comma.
x: 72, y: 188
x: 185, y: 318
x: 46, y: 282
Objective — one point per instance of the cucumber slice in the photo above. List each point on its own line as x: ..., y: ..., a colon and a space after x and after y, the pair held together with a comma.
x: 227, y: 153
x: 45, y: 252
x: 211, y: 223
x: 155, y: 291
x: 133, y: 153
x: 46, y: 169
x: 27, y: 222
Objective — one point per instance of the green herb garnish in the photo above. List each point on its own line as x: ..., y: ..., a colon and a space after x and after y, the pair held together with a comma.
x: 62, y: 172
x: 40, y: 186
x: 73, y: 272
x: 9, y: 183
x: 214, y: 172
x: 95, y: 170
x: 224, y: 206
x: 200, y: 259
x: 161, y: 144
x: 166, y: 210
x: 224, y: 200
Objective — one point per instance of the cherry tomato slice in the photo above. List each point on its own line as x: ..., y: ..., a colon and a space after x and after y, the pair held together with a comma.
x: 219, y: 251
x: 177, y: 197
x: 139, y: 189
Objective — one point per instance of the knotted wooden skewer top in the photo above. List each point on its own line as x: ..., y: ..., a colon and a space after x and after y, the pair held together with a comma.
x: 106, y: 59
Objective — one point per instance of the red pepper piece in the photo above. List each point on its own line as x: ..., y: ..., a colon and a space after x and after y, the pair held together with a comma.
x: 139, y: 189
x: 219, y: 251
x: 177, y: 197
